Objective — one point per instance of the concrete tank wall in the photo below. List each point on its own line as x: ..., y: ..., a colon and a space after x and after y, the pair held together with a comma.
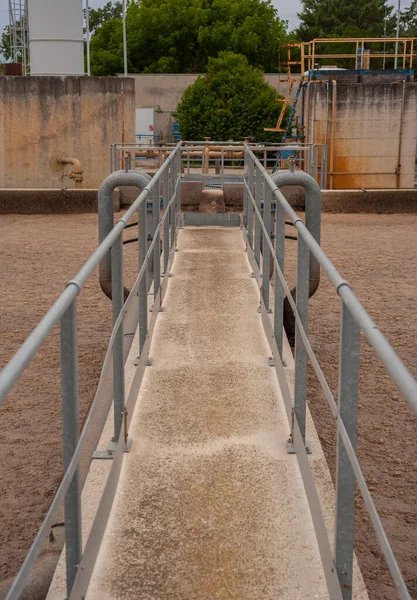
x: 42, y: 118
x: 164, y: 91
x: 370, y: 130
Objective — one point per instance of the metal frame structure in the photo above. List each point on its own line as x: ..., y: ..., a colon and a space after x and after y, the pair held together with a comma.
x: 262, y: 199
x: 310, y: 52
x: 264, y: 218
x: 226, y: 160
x: 19, y: 33
x: 126, y: 316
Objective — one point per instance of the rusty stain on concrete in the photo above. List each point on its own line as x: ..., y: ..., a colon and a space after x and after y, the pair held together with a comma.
x: 75, y: 116
x: 367, y: 131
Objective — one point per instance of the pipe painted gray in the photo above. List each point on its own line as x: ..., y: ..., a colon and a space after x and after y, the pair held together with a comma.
x: 138, y: 179
x: 313, y: 224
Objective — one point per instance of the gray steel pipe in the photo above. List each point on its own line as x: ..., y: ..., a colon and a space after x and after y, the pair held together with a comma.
x: 138, y: 179
x: 313, y: 224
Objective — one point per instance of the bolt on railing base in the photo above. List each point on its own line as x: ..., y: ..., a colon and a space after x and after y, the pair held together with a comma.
x: 291, y: 448
x: 110, y: 451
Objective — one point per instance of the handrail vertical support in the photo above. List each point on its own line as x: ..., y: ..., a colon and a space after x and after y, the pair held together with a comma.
x: 157, y: 248
x: 166, y: 222
x: 118, y: 359
x: 245, y: 192
x: 302, y: 295
x: 266, y: 254
x: 279, y: 289
x: 258, y: 199
x: 172, y: 190
x: 70, y: 434
x: 143, y: 286
x: 251, y: 166
x: 345, y: 477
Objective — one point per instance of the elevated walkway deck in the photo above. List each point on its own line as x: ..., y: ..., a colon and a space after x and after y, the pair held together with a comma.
x: 209, y: 504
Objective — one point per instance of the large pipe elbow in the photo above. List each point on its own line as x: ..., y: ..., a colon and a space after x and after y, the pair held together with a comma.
x: 138, y: 179
x: 313, y: 224
x: 77, y: 173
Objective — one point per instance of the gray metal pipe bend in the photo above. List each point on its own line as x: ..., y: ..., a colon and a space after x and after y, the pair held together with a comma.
x: 138, y: 179
x: 313, y: 224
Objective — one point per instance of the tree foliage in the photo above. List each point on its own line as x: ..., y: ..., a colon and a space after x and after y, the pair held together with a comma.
x: 408, y: 23
x: 5, y: 44
x: 342, y: 18
x: 179, y: 36
x: 99, y: 16
x: 231, y: 102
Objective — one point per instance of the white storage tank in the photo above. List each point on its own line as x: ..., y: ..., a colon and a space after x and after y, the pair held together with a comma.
x: 56, y: 37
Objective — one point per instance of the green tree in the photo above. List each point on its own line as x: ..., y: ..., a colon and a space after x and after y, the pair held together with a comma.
x: 232, y: 101
x: 177, y: 36
x: 408, y: 21
x: 342, y: 18
x: 99, y: 16
x: 5, y: 45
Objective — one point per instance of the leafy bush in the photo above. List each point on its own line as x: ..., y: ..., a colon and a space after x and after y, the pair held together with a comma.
x: 231, y: 102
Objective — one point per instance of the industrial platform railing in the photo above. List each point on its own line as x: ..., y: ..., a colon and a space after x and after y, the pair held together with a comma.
x: 221, y: 157
x: 262, y: 199
x: 126, y: 316
x: 264, y: 215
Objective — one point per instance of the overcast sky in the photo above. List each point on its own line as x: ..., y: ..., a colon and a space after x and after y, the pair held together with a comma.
x: 287, y: 9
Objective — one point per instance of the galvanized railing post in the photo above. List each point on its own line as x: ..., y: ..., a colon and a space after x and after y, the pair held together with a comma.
x: 172, y: 191
x: 302, y: 294
x: 118, y: 360
x: 166, y: 222
x: 157, y: 247
x: 179, y: 192
x: 279, y: 289
x: 345, y: 476
x: 143, y: 286
x: 258, y: 199
x: 250, y: 205
x: 266, y: 253
x: 245, y: 191
x: 70, y: 434
x: 150, y: 233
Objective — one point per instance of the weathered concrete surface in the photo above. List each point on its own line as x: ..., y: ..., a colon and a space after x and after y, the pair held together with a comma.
x: 64, y: 201
x: 46, y: 202
x: 369, y: 201
x: 209, y: 504
x: 42, y: 118
x: 164, y: 91
x: 375, y: 132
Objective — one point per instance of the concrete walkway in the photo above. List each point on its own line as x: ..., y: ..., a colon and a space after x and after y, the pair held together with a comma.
x: 209, y: 505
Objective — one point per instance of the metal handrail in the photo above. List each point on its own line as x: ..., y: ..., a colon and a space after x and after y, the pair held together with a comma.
x: 64, y: 312
x: 354, y: 319
x: 312, y: 156
x: 260, y: 192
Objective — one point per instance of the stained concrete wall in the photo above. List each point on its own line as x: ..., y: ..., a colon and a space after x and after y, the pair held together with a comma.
x: 44, y: 117
x: 371, y: 135
x: 164, y: 91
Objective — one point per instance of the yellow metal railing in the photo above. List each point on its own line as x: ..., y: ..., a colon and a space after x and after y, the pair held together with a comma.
x: 402, y: 51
